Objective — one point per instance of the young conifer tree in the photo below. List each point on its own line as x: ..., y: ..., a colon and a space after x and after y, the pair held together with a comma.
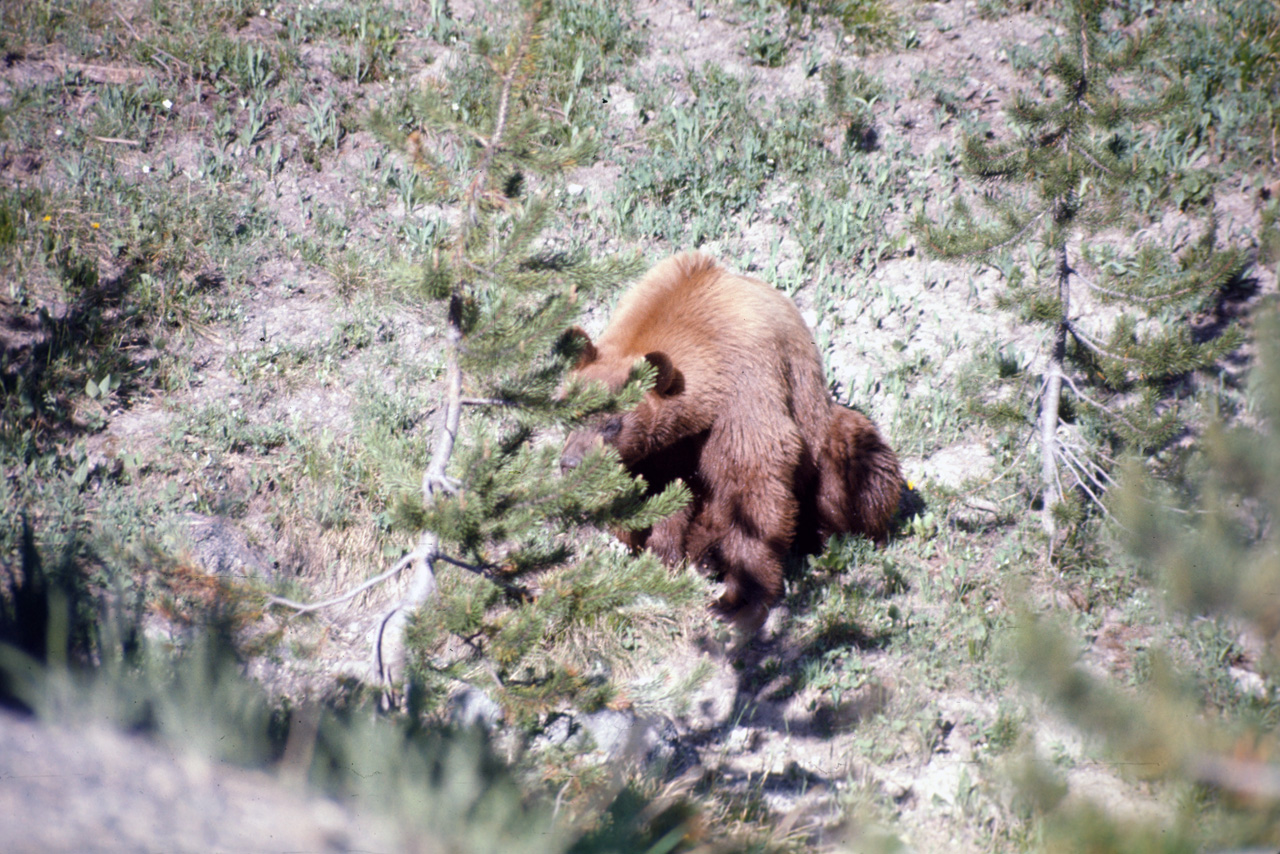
x: 493, y: 506
x: 1075, y: 157
x: 1201, y: 729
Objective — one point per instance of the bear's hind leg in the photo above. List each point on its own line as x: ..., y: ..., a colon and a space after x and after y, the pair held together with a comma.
x: 860, y: 484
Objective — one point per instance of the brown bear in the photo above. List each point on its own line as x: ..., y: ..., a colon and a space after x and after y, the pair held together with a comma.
x: 740, y: 411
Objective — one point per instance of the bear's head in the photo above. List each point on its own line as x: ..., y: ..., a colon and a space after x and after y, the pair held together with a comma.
x: 633, y: 434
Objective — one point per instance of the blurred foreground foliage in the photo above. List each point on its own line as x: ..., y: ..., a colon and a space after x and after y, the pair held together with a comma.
x: 77, y: 655
x: 1200, y: 725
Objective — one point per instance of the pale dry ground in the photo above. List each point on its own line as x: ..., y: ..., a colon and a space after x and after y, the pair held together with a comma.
x: 92, y: 789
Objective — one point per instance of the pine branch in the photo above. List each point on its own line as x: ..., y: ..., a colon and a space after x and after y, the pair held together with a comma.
x: 519, y: 51
x: 1099, y: 289
x: 1089, y: 343
x: 973, y: 245
x: 1019, y: 234
x: 1091, y: 158
x: 486, y: 401
x: 1101, y: 407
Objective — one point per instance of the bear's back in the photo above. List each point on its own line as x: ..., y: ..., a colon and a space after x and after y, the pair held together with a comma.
x: 708, y: 321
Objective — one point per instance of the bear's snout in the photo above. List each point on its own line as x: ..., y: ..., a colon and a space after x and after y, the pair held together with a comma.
x: 576, y: 448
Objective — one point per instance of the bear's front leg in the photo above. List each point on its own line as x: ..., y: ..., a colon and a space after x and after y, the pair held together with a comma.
x: 737, y: 539
x: 667, y: 538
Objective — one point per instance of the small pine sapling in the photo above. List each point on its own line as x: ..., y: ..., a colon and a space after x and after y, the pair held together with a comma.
x: 1064, y: 177
x: 501, y: 504
x: 492, y: 501
x: 849, y: 96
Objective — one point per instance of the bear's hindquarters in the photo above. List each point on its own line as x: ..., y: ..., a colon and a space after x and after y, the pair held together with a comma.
x: 859, y: 482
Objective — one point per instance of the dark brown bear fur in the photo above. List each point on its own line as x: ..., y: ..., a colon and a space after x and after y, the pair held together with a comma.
x: 740, y: 412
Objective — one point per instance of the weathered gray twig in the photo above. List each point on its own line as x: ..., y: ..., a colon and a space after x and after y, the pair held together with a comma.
x: 304, y: 608
x: 1054, y: 375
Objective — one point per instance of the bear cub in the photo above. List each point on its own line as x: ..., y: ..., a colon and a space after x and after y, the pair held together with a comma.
x: 741, y: 413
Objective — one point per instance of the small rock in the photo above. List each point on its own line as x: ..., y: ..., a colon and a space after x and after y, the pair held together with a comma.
x: 741, y: 740
x: 559, y: 730
x: 610, y: 730
x: 222, y: 549
x: 473, y: 707
x: 1248, y: 681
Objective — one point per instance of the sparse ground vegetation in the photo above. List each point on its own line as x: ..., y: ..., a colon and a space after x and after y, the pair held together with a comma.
x: 223, y: 360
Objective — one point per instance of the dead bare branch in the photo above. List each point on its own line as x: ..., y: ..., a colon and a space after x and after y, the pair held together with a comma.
x: 304, y: 608
x: 1101, y: 407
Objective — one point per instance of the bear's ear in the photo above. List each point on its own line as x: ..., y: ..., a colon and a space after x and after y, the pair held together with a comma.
x: 577, y: 338
x: 670, y: 381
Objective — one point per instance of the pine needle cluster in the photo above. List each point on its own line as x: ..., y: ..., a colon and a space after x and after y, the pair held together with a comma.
x: 1075, y: 159
x: 518, y: 611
